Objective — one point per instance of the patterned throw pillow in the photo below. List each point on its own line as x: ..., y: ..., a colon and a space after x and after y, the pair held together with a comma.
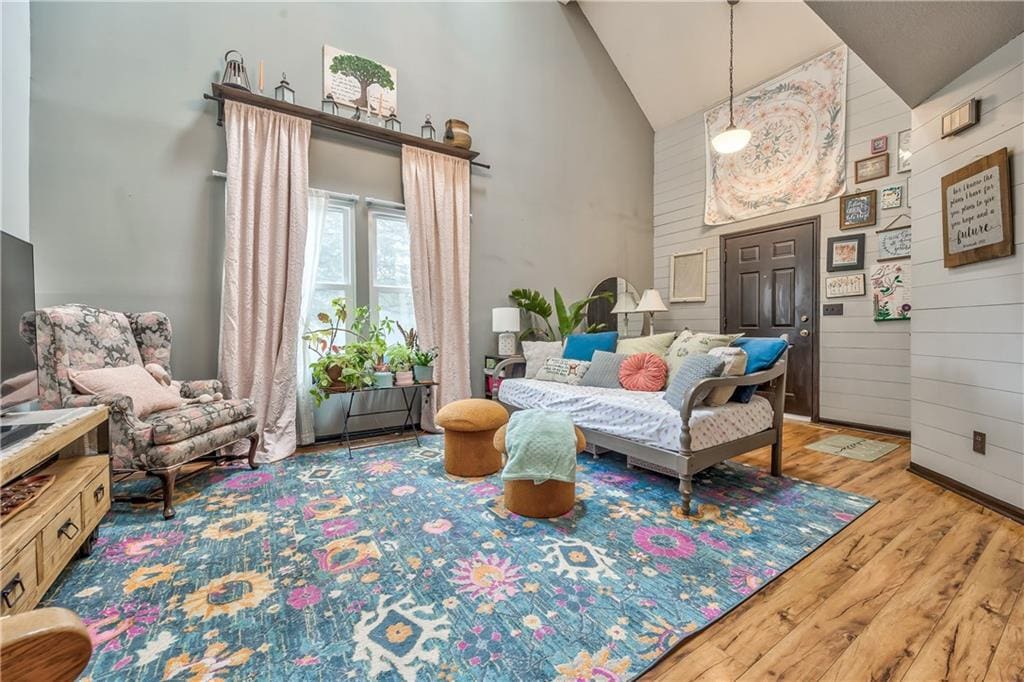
x: 655, y: 343
x: 688, y: 343
x: 537, y: 352
x: 643, y: 372
x: 604, y: 370
x: 692, y: 370
x: 563, y: 371
x: 735, y: 364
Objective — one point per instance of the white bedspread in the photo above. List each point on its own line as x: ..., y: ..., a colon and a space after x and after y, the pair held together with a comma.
x: 640, y: 416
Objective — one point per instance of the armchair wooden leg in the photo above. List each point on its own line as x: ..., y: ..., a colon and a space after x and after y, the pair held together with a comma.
x: 167, y: 477
x: 686, y: 488
x: 254, y: 441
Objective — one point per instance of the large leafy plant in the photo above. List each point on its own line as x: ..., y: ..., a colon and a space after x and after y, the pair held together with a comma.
x: 568, y: 318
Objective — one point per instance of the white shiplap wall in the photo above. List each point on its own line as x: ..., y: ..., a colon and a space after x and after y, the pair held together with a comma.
x: 967, y: 356
x: 865, y: 365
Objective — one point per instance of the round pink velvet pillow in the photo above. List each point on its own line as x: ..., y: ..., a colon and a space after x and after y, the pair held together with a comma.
x: 643, y: 372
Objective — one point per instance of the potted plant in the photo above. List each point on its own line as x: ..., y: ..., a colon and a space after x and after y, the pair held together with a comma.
x: 423, y: 365
x: 569, y: 318
x: 399, y: 357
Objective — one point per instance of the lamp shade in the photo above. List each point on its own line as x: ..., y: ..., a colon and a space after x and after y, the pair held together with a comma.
x: 651, y: 302
x: 504, y: 320
x: 624, y: 304
x: 730, y: 140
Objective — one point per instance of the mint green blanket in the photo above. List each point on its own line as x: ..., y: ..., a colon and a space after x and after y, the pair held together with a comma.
x: 541, y: 446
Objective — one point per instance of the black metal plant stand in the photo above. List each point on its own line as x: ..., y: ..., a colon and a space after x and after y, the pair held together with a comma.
x: 408, y: 399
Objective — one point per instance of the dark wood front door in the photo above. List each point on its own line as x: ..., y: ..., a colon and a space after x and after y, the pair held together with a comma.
x: 770, y: 287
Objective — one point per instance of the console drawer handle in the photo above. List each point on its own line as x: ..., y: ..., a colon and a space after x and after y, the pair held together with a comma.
x: 99, y: 493
x: 9, y: 590
x: 63, y: 530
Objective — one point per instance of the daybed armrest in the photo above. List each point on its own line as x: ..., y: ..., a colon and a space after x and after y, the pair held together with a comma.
x: 510, y: 366
x: 198, y: 387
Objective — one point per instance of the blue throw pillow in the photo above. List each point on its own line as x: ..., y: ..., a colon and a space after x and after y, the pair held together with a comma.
x: 692, y: 370
x: 762, y: 353
x: 582, y: 346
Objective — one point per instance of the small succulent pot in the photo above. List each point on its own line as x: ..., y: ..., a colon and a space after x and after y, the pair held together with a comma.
x: 423, y: 374
x: 403, y: 378
x: 383, y: 379
x: 456, y: 133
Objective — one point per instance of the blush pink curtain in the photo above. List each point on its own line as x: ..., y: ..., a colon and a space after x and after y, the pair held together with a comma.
x: 436, y: 189
x: 264, y: 247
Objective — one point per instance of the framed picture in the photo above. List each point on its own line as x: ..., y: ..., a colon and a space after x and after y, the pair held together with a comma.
x: 890, y: 292
x: 879, y: 144
x: 688, y: 276
x: 892, y: 196
x: 894, y: 243
x: 871, y: 168
x: 858, y: 210
x: 903, y: 152
x: 846, y: 253
x: 977, y: 224
x: 960, y: 118
x: 360, y: 82
x: 844, y: 286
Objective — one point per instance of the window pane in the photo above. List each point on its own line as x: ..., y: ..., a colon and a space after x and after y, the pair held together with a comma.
x: 397, y: 305
x: 333, y: 265
x: 392, y: 257
x: 321, y: 302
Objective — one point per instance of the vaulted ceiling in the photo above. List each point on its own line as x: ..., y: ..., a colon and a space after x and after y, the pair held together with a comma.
x: 674, y: 56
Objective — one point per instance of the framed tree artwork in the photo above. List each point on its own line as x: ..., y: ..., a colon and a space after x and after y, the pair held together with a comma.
x: 977, y: 222
x: 858, y: 210
x: 360, y: 82
x: 846, y: 253
x: 688, y: 276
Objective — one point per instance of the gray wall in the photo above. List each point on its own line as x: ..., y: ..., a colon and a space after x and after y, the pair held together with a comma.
x: 865, y: 365
x: 14, y: 103
x: 967, y: 354
x: 126, y: 215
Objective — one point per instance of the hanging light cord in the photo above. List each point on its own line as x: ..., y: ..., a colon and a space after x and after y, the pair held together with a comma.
x: 732, y: 6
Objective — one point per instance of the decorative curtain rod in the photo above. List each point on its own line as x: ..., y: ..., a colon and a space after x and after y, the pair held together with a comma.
x: 336, y: 123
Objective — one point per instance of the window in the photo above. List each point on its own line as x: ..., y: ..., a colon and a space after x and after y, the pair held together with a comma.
x: 335, y: 269
x: 390, y: 270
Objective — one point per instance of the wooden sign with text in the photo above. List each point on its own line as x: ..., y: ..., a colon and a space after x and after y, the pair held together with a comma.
x: 977, y: 222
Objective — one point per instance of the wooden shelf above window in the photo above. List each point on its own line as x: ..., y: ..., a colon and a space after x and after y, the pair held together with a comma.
x: 338, y: 123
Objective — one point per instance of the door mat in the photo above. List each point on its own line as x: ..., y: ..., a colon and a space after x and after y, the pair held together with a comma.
x: 863, y: 449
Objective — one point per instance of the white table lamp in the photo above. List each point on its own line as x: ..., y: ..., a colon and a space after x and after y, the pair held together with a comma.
x: 624, y: 305
x: 651, y: 303
x: 505, y: 323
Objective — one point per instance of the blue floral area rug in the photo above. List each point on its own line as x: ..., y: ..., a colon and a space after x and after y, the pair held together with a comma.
x: 383, y: 567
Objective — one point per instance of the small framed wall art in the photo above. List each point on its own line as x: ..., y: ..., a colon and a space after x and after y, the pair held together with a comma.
x: 892, y: 197
x: 977, y: 224
x: 846, y: 253
x: 688, y: 277
x: 890, y: 292
x: 879, y: 144
x: 844, y: 286
x: 871, y: 168
x: 858, y: 209
x: 903, y: 152
x: 894, y: 243
x: 960, y: 118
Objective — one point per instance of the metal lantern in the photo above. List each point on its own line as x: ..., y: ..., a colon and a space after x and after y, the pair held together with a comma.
x: 328, y: 105
x: 427, y: 129
x: 392, y: 122
x: 234, y: 71
x: 358, y: 116
x: 283, y: 91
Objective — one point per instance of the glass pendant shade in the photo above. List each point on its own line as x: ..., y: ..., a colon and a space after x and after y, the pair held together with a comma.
x: 730, y: 140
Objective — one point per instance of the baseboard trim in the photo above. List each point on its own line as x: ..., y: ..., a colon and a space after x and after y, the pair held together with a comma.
x: 984, y: 499
x: 867, y: 427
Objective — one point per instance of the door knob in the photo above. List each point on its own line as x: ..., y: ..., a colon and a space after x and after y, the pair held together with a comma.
x: 804, y: 332
x: 804, y: 318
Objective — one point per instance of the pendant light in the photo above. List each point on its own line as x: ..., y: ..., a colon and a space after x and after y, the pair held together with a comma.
x: 732, y: 139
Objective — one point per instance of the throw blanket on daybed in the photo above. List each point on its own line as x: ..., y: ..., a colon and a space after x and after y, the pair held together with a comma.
x: 541, y: 446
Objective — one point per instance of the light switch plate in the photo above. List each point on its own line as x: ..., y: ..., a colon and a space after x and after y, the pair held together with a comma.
x: 979, y: 442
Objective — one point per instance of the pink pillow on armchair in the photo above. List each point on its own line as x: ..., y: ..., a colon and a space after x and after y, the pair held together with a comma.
x: 643, y: 372
x: 134, y: 381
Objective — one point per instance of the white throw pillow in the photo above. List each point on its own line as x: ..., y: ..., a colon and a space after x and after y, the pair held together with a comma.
x: 563, y: 371
x: 536, y: 352
x: 735, y: 365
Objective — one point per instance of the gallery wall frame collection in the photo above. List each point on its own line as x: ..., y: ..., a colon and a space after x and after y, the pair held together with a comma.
x: 845, y: 286
x: 977, y: 221
x: 891, y: 197
x: 871, y: 168
x: 903, y: 152
x: 890, y: 292
x: 858, y: 209
x: 894, y: 243
x: 846, y: 253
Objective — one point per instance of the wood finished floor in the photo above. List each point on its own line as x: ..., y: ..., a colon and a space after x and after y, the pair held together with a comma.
x: 926, y: 585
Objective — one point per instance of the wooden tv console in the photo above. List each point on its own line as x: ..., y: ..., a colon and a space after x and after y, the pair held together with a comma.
x: 37, y: 542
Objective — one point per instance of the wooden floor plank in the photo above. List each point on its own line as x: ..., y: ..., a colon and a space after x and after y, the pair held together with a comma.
x: 1008, y: 663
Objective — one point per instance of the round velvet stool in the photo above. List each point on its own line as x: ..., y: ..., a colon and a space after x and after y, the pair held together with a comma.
x: 469, y: 427
x: 539, y: 500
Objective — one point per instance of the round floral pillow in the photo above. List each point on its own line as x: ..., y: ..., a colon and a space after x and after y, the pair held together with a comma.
x: 643, y: 372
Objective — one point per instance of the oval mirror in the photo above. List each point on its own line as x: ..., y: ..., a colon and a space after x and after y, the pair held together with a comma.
x: 616, y: 313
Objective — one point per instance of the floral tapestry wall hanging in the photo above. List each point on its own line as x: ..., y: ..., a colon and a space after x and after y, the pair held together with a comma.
x: 797, y: 151
x: 890, y: 288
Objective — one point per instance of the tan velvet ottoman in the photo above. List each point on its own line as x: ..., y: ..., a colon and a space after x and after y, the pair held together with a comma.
x: 469, y: 427
x: 539, y: 501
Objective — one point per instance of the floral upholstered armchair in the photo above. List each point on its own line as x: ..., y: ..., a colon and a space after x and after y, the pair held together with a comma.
x: 77, y: 337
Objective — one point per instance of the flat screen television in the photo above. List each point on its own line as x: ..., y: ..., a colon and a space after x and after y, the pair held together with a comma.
x: 17, y: 296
